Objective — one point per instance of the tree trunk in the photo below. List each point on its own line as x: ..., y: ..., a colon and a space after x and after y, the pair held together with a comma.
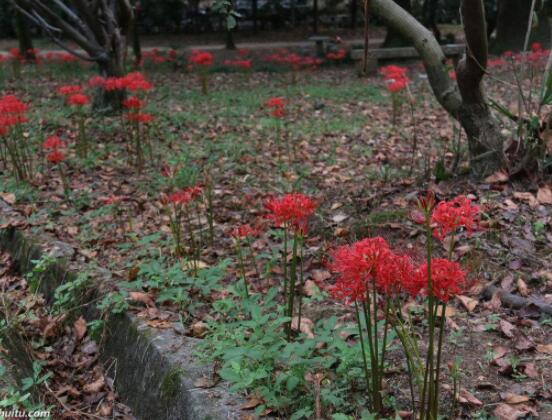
x: 230, y: 44
x: 394, y: 37
x: 428, y: 17
x: 354, y: 14
x: 511, y: 26
x: 315, y: 17
x: 255, y: 13
x: 485, y: 142
x: 24, y: 37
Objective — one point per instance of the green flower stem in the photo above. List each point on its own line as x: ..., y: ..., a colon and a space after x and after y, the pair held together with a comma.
x: 364, y: 359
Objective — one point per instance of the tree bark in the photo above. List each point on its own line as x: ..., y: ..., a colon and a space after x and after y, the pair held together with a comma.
x: 393, y: 38
x: 24, y: 38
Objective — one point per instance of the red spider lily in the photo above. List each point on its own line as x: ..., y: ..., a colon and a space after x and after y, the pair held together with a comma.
x: 337, y: 55
x: 358, y: 265
x: 114, y: 83
x: 53, y: 142
x: 185, y: 195
x: 242, y: 52
x: 536, y: 47
x: 395, y: 78
x: 12, y: 112
x: 136, y: 81
x: 133, y: 103
x: 277, y: 107
x: 291, y: 211
x: 447, y: 279
x: 69, y: 90
x: 244, y: 231
x: 55, y: 157
x: 395, y: 274
x: 140, y: 117
x: 96, y: 81
x: 241, y: 64
x: 451, y: 215
x: 112, y: 199
x: 452, y: 74
x: 78, y: 99
x: 201, y: 58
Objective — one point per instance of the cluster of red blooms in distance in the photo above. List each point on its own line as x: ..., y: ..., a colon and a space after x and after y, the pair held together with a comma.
x: 69, y: 90
x: 185, y: 195
x: 291, y: 211
x: 294, y: 60
x: 244, y: 231
x: 140, y: 117
x: 78, y: 99
x: 158, y: 57
x: 133, y: 102
x: 201, y: 58
x: 240, y: 64
x: 395, y: 78
x: 448, y: 216
x: 134, y: 82
x: 277, y: 107
x: 52, y: 145
x: 337, y: 55
x: 12, y: 113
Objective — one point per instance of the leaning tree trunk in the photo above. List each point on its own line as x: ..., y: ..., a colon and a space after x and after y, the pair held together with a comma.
x: 24, y: 37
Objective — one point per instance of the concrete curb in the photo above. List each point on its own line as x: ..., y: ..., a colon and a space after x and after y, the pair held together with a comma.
x: 155, y: 370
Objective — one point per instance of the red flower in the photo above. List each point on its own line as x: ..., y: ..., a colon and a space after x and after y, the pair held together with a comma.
x: 395, y: 274
x: 536, y: 47
x: 358, y: 265
x: 12, y: 112
x: 55, y: 157
x: 241, y: 64
x: 337, y: 55
x: 244, y: 231
x: 395, y: 78
x: 69, y: 90
x: 277, y: 107
x: 201, y: 58
x: 447, y: 279
x: 96, y: 81
x: 140, y: 117
x: 114, y: 83
x: 185, y: 195
x: 291, y: 210
x: 78, y: 99
x: 136, y: 81
x: 53, y: 142
x: 133, y: 103
x: 451, y: 215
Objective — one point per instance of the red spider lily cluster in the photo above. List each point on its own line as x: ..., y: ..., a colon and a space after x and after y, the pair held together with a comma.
x: 244, y: 231
x: 295, y: 61
x: 156, y: 56
x: 201, y: 58
x: 186, y: 195
x: 74, y: 95
x: 244, y: 64
x: 395, y: 78
x: 338, y: 55
x: 277, y: 107
x: 52, y: 146
x: 12, y: 113
x: 291, y: 211
x: 448, y: 216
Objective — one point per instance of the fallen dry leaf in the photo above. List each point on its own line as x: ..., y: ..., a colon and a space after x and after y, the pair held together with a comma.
x: 95, y: 386
x: 79, y: 328
x: 142, y: 297
x: 465, y: 397
x: 544, y: 348
x: 497, y: 177
x: 251, y: 403
x: 468, y: 302
x: 511, y: 398
x: 522, y: 288
x: 306, y: 326
x: 199, y: 329
x: 507, y: 412
x: 527, y: 197
x: 544, y: 195
x: 507, y: 328
x: 8, y: 197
